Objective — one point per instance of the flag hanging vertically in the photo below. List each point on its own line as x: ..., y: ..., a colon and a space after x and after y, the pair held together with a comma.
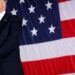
x: 48, y: 36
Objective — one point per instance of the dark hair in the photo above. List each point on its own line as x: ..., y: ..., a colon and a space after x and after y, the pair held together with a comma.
x: 4, y: 0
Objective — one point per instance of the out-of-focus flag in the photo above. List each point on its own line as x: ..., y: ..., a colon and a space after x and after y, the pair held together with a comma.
x: 48, y: 36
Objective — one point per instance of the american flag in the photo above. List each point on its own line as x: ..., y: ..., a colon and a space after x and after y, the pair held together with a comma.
x: 47, y: 46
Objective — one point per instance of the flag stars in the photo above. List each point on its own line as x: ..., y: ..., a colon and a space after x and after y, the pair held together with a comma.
x: 14, y: 11
x: 41, y: 19
x: 24, y: 22
x: 22, y: 1
x: 52, y: 29
x: 31, y: 9
x: 49, y: 5
x: 34, y: 32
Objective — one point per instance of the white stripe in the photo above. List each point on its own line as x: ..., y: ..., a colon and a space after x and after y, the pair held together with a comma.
x: 69, y: 74
x: 67, y: 10
x: 54, y: 49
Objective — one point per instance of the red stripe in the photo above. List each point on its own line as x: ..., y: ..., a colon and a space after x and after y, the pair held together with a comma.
x: 63, y: 0
x: 50, y: 67
x: 68, y: 28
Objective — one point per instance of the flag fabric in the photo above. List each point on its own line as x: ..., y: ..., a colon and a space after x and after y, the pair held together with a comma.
x: 47, y: 46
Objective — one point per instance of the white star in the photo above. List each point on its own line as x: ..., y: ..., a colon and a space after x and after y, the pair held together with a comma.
x: 49, y: 5
x: 22, y: 1
x: 41, y: 19
x: 14, y: 12
x: 52, y: 29
x: 24, y: 22
x: 31, y: 9
x: 34, y: 32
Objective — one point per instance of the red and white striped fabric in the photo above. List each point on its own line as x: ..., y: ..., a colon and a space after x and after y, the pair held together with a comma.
x: 56, y: 57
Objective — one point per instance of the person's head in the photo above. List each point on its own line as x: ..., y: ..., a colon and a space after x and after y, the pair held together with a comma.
x: 2, y: 5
